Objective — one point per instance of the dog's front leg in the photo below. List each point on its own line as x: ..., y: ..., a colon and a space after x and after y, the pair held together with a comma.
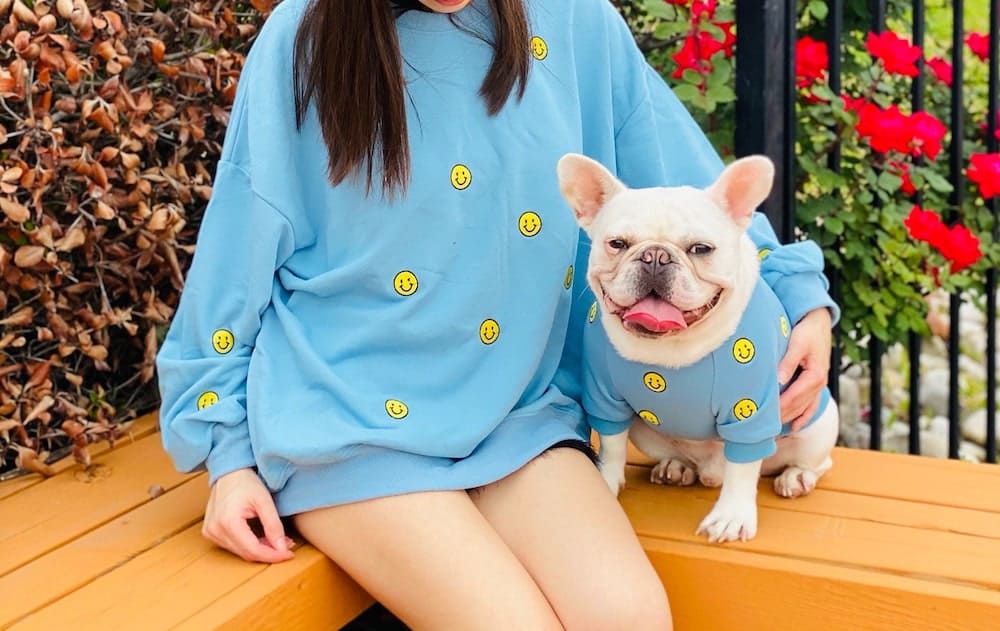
x: 612, y: 456
x: 734, y: 516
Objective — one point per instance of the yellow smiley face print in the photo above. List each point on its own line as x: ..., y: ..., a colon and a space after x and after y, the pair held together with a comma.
x: 223, y: 341
x: 743, y: 350
x: 654, y: 381
x: 744, y: 409
x: 396, y: 409
x: 592, y: 314
x: 539, y: 49
x: 489, y: 331
x: 649, y: 417
x: 568, y: 281
x: 405, y: 283
x: 762, y: 253
x: 529, y: 223
x: 785, y: 330
x: 206, y: 399
x: 461, y: 177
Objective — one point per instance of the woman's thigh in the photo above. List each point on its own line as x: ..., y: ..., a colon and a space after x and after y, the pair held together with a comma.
x: 569, y: 531
x: 432, y: 559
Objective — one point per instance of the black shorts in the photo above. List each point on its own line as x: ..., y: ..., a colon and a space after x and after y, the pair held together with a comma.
x: 579, y: 445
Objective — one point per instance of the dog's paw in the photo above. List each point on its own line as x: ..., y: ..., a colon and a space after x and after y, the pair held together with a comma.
x: 614, y: 479
x: 673, y: 472
x: 730, y: 521
x: 795, y: 482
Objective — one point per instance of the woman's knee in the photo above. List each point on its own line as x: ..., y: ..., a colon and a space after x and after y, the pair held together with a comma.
x: 624, y: 606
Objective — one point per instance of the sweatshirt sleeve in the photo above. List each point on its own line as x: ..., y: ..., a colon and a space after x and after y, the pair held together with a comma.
x: 658, y: 143
x: 203, y: 362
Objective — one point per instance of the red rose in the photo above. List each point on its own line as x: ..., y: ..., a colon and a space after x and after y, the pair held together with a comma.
x: 885, y: 129
x: 730, y: 37
x: 984, y: 170
x: 693, y: 56
x: 979, y: 44
x: 897, y: 54
x: 926, y: 225
x: 852, y: 104
x: 703, y: 9
x: 811, y: 61
x: 961, y: 247
x: 927, y: 132
x: 941, y: 69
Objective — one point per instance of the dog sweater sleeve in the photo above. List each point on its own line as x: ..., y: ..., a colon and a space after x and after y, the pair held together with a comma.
x: 746, y: 391
x: 607, y: 412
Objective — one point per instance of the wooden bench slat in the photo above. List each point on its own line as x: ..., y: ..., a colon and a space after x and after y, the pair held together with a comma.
x: 140, y: 428
x: 856, y: 542
x: 308, y: 592
x: 864, y: 507
x: 156, y: 590
x: 80, y: 561
x: 904, y: 477
x: 723, y: 587
x: 64, y: 507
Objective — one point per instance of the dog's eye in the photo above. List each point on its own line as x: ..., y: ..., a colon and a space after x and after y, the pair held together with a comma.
x: 617, y: 244
x: 700, y: 249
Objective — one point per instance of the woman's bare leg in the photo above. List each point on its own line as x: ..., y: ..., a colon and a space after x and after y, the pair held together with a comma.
x: 433, y: 560
x: 569, y: 531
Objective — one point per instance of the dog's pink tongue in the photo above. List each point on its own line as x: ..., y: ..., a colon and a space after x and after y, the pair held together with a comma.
x: 655, y: 314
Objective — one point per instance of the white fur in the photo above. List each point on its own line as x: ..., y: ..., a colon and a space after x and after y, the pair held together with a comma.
x: 672, y: 219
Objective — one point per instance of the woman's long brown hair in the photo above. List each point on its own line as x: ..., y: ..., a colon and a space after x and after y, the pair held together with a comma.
x: 348, y: 62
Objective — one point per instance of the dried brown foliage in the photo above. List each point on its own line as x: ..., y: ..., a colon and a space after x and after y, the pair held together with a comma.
x: 112, y: 115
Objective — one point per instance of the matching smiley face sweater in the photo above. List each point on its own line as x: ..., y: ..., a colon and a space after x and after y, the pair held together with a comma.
x: 349, y: 346
x: 730, y: 394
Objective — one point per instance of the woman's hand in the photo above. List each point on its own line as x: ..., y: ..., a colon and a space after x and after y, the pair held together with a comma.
x: 809, y: 347
x: 235, y: 498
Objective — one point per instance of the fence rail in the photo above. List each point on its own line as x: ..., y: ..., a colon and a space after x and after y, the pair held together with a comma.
x: 765, y: 123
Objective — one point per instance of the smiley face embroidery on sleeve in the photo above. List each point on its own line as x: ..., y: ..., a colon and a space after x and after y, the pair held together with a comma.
x: 405, y: 283
x: 568, y: 280
x: 654, y: 381
x: 649, y: 417
x: 744, y: 409
x: 743, y: 350
x: 539, y: 49
x: 461, y: 177
x: 207, y: 399
x: 489, y: 331
x: 762, y: 253
x: 529, y: 223
x: 592, y: 314
x: 223, y: 341
x: 396, y: 409
x: 785, y: 330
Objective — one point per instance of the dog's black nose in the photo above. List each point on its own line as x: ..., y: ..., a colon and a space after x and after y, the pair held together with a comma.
x: 654, y: 259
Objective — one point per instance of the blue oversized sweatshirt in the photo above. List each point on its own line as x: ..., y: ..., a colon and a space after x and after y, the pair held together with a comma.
x: 349, y: 346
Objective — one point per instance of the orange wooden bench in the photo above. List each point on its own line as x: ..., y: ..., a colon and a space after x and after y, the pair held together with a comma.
x: 887, y: 542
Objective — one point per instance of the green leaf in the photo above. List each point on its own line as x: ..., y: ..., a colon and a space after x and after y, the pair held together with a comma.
x: 721, y: 93
x: 937, y: 182
x: 666, y: 30
x: 660, y: 9
x: 686, y: 92
x: 833, y: 224
x: 889, y: 181
x: 818, y: 8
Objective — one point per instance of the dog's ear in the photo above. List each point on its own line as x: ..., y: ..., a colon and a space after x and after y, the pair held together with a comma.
x: 586, y: 185
x: 742, y: 187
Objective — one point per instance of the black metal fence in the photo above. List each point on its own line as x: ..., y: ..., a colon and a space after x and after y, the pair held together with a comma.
x: 765, y: 123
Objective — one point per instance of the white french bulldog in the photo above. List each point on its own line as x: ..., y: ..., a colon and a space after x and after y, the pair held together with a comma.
x: 685, y: 362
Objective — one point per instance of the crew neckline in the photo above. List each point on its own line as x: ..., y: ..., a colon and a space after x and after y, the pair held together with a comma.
x: 476, y: 12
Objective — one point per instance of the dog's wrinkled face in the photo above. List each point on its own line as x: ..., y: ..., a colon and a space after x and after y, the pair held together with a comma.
x: 663, y: 261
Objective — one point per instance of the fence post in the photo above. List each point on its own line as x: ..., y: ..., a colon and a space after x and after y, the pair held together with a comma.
x: 765, y: 99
